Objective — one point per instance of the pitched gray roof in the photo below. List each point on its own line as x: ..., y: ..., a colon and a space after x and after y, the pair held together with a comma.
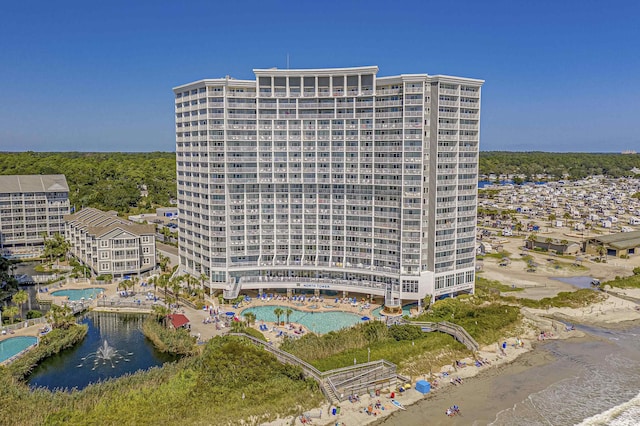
x: 33, y: 183
x: 621, y: 240
x: 99, y: 223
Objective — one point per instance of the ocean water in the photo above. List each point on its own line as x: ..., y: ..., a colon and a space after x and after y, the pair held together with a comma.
x: 604, y: 391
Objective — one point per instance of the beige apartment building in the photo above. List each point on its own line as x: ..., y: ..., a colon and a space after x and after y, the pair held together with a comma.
x: 31, y: 206
x: 329, y: 180
x: 110, y: 245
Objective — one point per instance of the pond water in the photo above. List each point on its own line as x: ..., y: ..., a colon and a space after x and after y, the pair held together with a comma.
x: 15, y: 345
x: 580, y: 282
x: 318, y: 322
x: 76, y: 367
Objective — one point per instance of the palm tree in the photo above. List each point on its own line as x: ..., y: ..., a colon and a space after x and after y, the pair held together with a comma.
x: 532, y: 238
x: 601, y: 251
x: 161, y: 313
x: 565, y: 245
x: 55, y: 247
x: 20, y: 298
x: 288, y: 313
x: 125, y: 284
x: 203, y: 278
x: 548, y: 240
x: 60, y: 317
x: 278, y: 313
x: 163, y: 261
x: 153, y: 281
x: 198, y: 293
x: 250, y: 317
x: 176, y: 287
x: 163, y: 282
x: 10, y: 312
x: 134, y: 281
x: 237, y: 326
x: 192, y: 282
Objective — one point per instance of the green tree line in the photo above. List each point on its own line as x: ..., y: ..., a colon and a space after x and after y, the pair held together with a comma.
x: 557, y: 165
x: 108, y: 181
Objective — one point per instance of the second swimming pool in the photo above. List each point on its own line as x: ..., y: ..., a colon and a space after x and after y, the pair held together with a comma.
x: 79, y: 294
x: 15, y: 345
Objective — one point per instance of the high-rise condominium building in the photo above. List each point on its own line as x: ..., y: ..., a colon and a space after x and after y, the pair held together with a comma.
x: 329, y: 179
x: 31, y: 207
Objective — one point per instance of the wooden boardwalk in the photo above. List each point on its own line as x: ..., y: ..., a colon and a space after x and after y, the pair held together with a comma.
x: 338, y: 384
x: 458, y: 332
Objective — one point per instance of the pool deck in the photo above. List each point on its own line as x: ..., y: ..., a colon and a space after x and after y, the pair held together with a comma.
x: 307, y: 306
x: 200, y: 320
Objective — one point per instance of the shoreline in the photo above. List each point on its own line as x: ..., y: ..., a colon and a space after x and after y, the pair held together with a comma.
x: 532, y: 360
x: 353, y: 413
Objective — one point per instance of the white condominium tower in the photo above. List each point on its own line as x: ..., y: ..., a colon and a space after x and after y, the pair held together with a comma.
x: 334, y: 180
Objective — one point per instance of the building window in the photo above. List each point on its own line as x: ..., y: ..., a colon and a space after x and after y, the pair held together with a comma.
x: 104, y: 243
x: 469, y: 276
x: 104, y: 266
x: 410, y: 286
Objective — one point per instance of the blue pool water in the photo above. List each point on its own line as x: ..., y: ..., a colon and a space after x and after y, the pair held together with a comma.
x: 85, y: 293
x: 318, y: 322
x: 15, y: 345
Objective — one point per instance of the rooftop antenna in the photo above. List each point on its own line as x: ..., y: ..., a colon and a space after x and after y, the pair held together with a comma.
x: 287, y: 61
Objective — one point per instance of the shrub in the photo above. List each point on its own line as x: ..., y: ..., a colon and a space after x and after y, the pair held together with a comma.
x: 107, y: 277
x: 34, y: 314
x: 405, y: 332
x: 168, y: 340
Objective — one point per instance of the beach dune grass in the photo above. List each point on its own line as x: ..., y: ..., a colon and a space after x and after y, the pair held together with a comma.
x: 632, y: 281
x: 486, y: 322
x: 565, y: 299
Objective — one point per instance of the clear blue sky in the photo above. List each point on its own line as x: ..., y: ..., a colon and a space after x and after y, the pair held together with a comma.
x: 560, y: 75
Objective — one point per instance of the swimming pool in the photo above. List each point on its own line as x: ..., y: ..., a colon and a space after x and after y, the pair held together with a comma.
x: 78, y: 294
x: 318, y: 322
x: 15, y: 345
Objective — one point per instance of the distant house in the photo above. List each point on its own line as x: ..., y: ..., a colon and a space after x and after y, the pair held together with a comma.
x: 555, y: 245
x: 167, y: 211
x: 483, y: 248
x: 619, y: 244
